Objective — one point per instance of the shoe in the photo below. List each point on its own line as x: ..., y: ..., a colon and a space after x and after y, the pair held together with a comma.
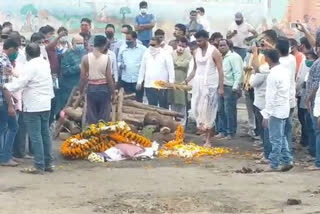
x: 219, y: 136
x: 263, y: 160
x: 270, y: 169
x: 10, y: 163
x: 287, y: 168
x: 49, y: 169
x: 228, y: 137
x: 28, y: 157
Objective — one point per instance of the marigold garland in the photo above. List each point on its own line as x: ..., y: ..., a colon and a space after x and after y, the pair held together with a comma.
x: 100, y: 137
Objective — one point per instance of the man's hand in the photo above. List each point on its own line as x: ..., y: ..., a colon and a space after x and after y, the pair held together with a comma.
x: 221, y: 90
x: 62, y: 34
x: 265, y: 123
x: 138, y: 87
x: 11, y: 111
x: 301, y: 27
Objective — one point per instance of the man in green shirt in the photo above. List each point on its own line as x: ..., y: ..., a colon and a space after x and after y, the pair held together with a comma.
x: 233, y: 72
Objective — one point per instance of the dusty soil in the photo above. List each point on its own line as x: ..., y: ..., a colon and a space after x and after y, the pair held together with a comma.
x: 207, y: 185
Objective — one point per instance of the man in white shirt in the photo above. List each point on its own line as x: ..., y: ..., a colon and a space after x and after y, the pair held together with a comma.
x: 289, y: 62
x: 238, y: 32
x: 203, y: 19
x: 156, y: 65
x: 161, y: 35
x: 36, y: 82
x: 276, y: 111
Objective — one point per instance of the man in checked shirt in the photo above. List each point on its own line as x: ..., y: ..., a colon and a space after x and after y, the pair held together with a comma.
x: 312, y: 87
x: 8, y: 120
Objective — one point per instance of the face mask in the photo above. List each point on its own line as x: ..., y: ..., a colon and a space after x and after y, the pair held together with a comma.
x: 239, y: 22
x: 109, y: 35
x: 79, y: 47
x: 309, y: 63
x: 130, y: 44
x: 143, y: 10
x: 13, y: 56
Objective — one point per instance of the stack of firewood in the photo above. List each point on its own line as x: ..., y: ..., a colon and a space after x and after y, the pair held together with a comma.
x: 125, y: 108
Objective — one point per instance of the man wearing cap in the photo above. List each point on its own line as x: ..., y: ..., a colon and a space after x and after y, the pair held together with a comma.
x: 238, y: 32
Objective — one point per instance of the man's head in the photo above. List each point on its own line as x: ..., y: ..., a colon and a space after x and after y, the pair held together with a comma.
x: 109, y: 31
x: 193, y: 15
x: 143, y: 6
x: 182, y: 45
x: 100, y: 42
x: 16, y: 36
x: 283, y: 46
x: 238, y: 18
x: 224, y: 46
x: 200, y: 11
x: 304, y: 45
x: 155, y: 42
x: 85, y: 25
x: 37, y: 38
x: 62, y: 29
x: 47, y: 31
x: 126, y: 29
x: 293, y: 45
x: 202, y: 38
x: 160, y: 34
x: 10, y: 48
x: 179, y: 31
x: 272, y: 56
x: 215, y: 38
x: 193, y: 46
x: 310, y: 58
x: 78, y: 43
x: 23, y: 41
x: 131, y: 39
x: 7, y: 25
x: 270, y: 36
x: 32, y: 51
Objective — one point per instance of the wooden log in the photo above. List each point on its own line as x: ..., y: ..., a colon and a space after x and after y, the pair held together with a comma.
x: 162, y: 111
x: 120, y: 104
x: 129, y: 96
x: 113, y: 113
x: 132, y: 110
x: 84, y: 114
x: 77, y: 101
x: 74, y: 114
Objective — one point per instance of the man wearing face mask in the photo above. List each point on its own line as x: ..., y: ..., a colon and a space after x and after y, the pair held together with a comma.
x: 161, y: 35
x: 129, y: 62
x: 85, y: 31
x: 156, y: 65
x: 181, y: 60
x: 179, y: 32
x: 8, y: 121
x: 39, y: 39
x: 114, y: 43
x: 144, y: 23
x: 37, y: 87
x: 238, y: 31
x: 70, y: 68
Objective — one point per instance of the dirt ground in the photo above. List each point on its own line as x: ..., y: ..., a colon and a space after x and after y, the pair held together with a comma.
x: 206, y: 185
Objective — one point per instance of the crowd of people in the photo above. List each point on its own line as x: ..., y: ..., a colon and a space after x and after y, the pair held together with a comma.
x: 277, y: 75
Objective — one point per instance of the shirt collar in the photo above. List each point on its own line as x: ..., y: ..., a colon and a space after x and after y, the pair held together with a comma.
x: 227, y: 54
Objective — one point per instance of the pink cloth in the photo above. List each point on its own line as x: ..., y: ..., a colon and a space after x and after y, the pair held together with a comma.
x: 129, y: 150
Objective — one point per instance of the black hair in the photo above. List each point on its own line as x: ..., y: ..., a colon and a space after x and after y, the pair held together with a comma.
x: 110, y: 26
x: 62, y: 29
x: 36, y: 37
x: 193, y: 11
x: 159, y: 32
x: 293, y: 42
x: 304, y: 41
x: 46, y: 29
x: 156, y: 39
x: 202, y: 33
x: 133, y: 34
x: 1, y: 28
x: 33, y: 50
x: 16, y: 36
x: 143, y: 4
x: 216, y: 35
x: 201, y: 9
x: 312, y: 54
x: 99, y: 41
x: 272, y: 54
x: 184, y: 40
x: 272, y: 34
x: 22, y: 37
x: 283, y: 46
x: 6, y: 24
x: 225, y: 40
x: 128, y: 27
x: 10, y: 43
x: 181, y: 27
x: 86, y: 20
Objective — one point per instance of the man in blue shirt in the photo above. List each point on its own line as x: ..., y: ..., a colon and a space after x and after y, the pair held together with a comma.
x: 129, y: 61
x: 193, y: 25
x: 144, y: 24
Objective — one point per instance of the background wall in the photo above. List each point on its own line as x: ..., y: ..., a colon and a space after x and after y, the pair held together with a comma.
x: 29, y: 15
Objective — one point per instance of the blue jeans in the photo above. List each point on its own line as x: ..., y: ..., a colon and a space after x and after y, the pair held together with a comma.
x: 8, y: 131
x: 37, y: 124
x: 317, y: 139
x: 311, y: 135
x: 279, y: 143
x: 288, y: 129
x: 227, y: 112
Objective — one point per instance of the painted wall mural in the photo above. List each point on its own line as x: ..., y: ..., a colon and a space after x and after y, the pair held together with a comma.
x: 29, y: 15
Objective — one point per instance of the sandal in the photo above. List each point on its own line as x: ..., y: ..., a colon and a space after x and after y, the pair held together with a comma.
x: 32, y: 170
x: 49, y: 169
